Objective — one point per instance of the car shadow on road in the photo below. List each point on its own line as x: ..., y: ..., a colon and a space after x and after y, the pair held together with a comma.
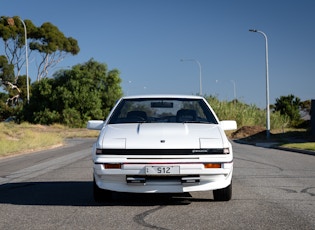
x: 79, y: 193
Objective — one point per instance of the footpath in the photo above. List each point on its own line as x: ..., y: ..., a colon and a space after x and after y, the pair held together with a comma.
x: 274, y: 145
x: 256, y: 135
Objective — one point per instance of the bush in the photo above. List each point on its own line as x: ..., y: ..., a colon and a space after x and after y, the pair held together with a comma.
x: 246, y: 115
x: 73, y: 97
x: 46, y: 117
x: 71, y: 118
x: 290, y: 105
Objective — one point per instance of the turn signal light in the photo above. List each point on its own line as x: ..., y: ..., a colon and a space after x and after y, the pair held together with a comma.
x: 212, y: 165
x: 112, y: 166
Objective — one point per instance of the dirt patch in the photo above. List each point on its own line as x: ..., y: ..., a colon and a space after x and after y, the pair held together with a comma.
x: 255, y: 134
x: 249, y: 131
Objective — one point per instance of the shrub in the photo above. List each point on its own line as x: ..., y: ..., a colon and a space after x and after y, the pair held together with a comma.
x: 246, y: 115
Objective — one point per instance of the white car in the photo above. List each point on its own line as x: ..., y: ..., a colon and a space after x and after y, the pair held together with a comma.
x: 162, y: 144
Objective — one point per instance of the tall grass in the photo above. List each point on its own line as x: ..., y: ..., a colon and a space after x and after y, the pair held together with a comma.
x: 16, y: 138
x: 20, y: 138
x: 246, y: 115
x: 25, y: 137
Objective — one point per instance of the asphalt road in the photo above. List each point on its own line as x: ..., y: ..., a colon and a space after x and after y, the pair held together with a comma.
x: 272, y: 189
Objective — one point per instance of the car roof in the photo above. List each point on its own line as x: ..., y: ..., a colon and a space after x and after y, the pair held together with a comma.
x: 163, y: 96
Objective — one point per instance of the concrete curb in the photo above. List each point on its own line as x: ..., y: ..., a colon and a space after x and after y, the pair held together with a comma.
x: 308, y: 152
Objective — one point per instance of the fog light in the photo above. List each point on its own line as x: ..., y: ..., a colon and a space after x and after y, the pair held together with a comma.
x: 212, y: 165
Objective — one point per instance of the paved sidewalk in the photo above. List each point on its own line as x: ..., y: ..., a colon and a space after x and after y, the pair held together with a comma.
x: 275, y: 146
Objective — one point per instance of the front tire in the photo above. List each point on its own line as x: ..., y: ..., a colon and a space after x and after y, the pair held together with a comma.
x: 224, y: 194
x: 100, y: 195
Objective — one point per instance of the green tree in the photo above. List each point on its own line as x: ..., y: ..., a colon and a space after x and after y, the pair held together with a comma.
x: 6, y: 71
x: 4, y: 111
x: 7, y: 76
x: 87, y: 91
x: 13, y: 36
x: 52, y: 45
x: 289, y: 105
x: 46, y: 43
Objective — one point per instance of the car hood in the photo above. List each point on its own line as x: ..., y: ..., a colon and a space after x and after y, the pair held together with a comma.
x: 162, y: 136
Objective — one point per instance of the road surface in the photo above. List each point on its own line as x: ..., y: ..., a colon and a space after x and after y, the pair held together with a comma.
x: 272, y: 189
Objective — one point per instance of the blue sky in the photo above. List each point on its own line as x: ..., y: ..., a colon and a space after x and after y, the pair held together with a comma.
x: 146, y: 39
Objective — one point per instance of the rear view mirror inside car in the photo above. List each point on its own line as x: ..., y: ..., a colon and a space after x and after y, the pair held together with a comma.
x: 162, y: 104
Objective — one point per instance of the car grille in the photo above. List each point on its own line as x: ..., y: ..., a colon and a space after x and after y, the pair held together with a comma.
x: 159, y: 151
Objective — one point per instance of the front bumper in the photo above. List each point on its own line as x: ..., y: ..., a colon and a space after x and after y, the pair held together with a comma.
x: 192, y: 177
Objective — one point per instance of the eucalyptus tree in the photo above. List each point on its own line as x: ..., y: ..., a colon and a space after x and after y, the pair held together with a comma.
x: 46, y: 44
x: 52, y: 46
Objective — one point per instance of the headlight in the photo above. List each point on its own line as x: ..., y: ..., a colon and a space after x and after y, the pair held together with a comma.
x: 98, y: 152
x: 226, y: 150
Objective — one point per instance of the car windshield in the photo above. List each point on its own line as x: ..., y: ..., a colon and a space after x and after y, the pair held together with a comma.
x: 162, y: 110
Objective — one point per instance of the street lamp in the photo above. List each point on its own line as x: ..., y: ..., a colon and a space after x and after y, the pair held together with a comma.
x: 267, y: 83
x: 200, y: 82
x: 11, y: 23
x: 234, y: 87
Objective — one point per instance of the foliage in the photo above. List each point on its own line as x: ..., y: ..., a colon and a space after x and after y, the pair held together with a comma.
x: 8, y: 111
x: 289, y: 105
x: 35, y: 137
x: 306, y: 146
x: 46, y: 44
x: 46, y: 116
x: 6, y: 70
x: 246, y: 115
x: 52, y: 45
x: 5, y: 111
x: 13, y: 35
x: 87, y: 91
x: 13, y: 136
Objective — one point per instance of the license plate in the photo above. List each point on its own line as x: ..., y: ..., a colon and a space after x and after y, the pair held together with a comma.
x: 162, y: 170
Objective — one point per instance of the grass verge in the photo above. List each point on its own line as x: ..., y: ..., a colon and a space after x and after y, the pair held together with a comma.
x: 304, y: 146
x: 15, y: 139
x: 25, y: 137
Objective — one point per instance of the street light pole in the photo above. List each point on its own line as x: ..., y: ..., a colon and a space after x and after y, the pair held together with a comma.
x: 200, y: 78
x: 234, y: 87
x: 267, y: 83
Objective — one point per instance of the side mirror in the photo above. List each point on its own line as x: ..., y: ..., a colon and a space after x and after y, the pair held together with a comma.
x: 228, y: 125
x: 95, y: 124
